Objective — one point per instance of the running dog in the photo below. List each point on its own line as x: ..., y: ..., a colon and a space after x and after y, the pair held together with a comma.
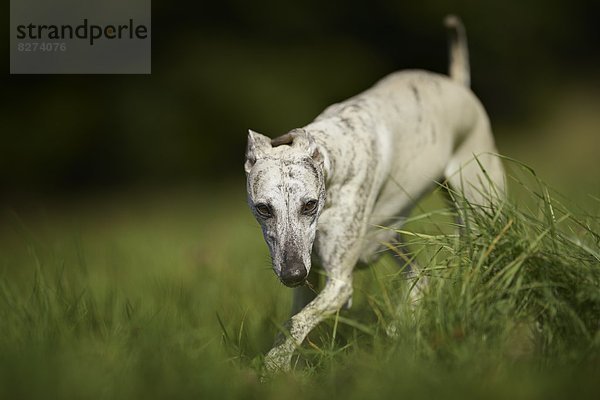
x: 321, y: 192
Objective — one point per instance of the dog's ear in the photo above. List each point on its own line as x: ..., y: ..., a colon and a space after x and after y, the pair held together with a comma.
x: 305, y: 140
x: 313, y: 149
x: 257, y: 146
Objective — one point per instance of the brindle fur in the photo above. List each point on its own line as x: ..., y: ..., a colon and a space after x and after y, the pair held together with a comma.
x: 365, y: 162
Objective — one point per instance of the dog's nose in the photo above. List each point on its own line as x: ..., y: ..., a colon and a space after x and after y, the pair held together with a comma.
x: 293, y: 275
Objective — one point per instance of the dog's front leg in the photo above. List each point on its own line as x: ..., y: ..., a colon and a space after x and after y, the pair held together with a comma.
x: 338, y: 245
x: 334, y: 295
x: 339, y: 249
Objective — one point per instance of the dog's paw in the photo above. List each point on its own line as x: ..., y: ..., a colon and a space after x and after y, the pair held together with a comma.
x: 278, y: 359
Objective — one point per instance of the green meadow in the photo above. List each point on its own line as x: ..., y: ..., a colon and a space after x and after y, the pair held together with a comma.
x: 161, y: 295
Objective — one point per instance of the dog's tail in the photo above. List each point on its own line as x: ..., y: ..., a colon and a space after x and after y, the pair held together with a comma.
x: 458, y: 69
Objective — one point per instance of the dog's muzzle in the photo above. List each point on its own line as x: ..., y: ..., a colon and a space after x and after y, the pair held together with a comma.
x: 293, y: 275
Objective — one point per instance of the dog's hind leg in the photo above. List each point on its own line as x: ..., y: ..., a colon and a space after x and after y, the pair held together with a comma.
x: 475, y: 170
x: 411, y: 269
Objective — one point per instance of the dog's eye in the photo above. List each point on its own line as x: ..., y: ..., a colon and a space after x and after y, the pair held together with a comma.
x: 309, y: 207
x: 263, y: 210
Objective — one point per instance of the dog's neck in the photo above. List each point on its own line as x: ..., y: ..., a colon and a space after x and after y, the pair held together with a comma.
x: 325, y: 143
x: 327, y: 165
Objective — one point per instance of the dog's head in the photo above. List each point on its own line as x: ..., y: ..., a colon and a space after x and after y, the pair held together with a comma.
x: 286, y: 193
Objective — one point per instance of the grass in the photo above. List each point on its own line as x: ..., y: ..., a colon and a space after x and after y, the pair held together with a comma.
x: 173, y: 297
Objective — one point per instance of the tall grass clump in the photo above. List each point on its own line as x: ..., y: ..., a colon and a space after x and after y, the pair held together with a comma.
x: 528, y: 267
x: 512, y: 280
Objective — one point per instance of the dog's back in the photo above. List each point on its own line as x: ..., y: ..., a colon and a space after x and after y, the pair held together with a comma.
x: 412, y: 130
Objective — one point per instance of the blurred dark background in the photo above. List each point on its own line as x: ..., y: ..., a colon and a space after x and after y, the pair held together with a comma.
x: 219, y: 68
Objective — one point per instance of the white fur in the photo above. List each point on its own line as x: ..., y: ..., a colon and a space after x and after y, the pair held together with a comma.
x: 366, y: 161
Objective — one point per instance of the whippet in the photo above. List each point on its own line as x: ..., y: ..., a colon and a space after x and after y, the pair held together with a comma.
x: 321, y: 192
